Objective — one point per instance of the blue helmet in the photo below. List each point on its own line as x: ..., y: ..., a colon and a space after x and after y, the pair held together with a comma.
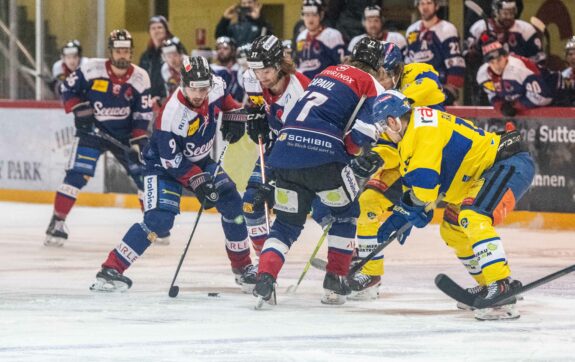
x: 392, y: 60
x: 390, y: 103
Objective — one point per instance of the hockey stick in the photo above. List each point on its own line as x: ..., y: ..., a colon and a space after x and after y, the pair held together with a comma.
x: 392, y: 237
x: 478, y: 10
x: 108, y: 138
x: 174, y: 289
x: 355, y: 111
x: 292, y: 288
x: 263, y: 172
x: 542, y: 28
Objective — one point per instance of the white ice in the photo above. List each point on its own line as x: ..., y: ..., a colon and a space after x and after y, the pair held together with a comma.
x: 47, y: 312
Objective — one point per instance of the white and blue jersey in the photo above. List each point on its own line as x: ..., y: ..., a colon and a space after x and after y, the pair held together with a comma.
x: 122, y: 105
x: 438, y: 46
x: 521, y: 83
x: 314, y: 54
x: 276, y: 105
x: 231, y: 77
x: 184, y: 136
x: 313, y: 132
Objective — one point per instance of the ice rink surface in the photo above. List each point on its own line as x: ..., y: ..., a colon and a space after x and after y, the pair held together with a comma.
x: 47, y: 312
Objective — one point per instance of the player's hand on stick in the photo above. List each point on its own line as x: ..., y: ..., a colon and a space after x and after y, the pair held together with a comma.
x: 264, y: 193
x: 366, y: 165
x: 233, y: 131
x: 258, y: 124
x: 204, y: 187
x: 84, y: 117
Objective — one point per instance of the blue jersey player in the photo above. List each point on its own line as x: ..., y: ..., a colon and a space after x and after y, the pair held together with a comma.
x: 111, y: 96
x: 310, y: 159
x: 176, y: 158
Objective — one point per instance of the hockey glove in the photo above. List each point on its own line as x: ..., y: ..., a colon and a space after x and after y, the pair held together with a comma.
x: 392, y: 224
x: 366, y: 165
x: 264, y: 193
x: 203, y: 186
x: 508, y: 110
x: 258, y: 124
x: 232, y: 131
x: 84, y: 117
x: 404, y: 213
x: 137, y: 145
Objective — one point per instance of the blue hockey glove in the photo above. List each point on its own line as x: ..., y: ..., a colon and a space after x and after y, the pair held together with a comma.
x: 391, y: 225
x: 264, y: 193
x: 414, y: 214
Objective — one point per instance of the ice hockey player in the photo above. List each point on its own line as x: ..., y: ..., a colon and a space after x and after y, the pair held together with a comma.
x: 178, y: 156
x: 373, y: 21
x: 568, y: 73
x: 310, y: 159
x: 111, y: 96
x: 436, y: 42
x: 227, y: 66
x: 481, y: 175
x: 317, y: 47
x: 172, y: 54
x: 273, y: 86
x: 512, y: 83
x: 70, y: 59
x: 517, y: 36
x: 419, y: 82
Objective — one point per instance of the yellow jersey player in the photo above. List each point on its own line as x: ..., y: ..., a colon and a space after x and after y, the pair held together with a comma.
x: 420, y: 83
x: 481, y: 175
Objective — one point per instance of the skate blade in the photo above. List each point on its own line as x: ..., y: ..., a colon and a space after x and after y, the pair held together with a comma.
x: 162, y: 241
x: 371, y: 293
x: 54, y: 241
x: 505, y: 312
x: 247, y: 288
x: 464, y: 306
x: 104, y: 286
x: 331, y: 298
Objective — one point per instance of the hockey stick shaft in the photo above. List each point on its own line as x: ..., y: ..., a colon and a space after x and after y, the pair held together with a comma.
x: 315, y: 251
x: 392, y: 237
x: 263, y: 172
x: 354, y: 114
x: 200, y: 211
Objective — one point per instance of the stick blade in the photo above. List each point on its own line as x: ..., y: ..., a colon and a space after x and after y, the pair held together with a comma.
x: 472, y: 5
x: 537, y: 23
x: 174, y: 290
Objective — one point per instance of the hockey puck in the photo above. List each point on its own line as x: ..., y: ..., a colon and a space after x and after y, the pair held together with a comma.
x: 215, y: 295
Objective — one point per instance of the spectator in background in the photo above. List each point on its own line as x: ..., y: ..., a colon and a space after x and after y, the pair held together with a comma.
x: 70, y: 60
x: 243, y: 22
x: 373, y: 21
x: 288, y: 49
x: 242, y: 59
x: 172, y: 54
x: 346, y: 15
x: 151, y: 59
x: 517, y: 36
x: 227, y: 67
x: 512, y: 83
x: 435, y: 41
x: 568, y: 74
x: 317, y: 47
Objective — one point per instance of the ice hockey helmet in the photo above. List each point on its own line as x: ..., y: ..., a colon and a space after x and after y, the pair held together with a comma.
x: 369, y: 51
x: 372, y: 11
x: 570, y: 45
x: 227, y: 41
x: 390, y: 103
x: 497, y: 5
x: 266, y: 51
x: 312, y: 6
x: 72, y: 47
x: 172, y: 45
x: 120, y: 38
x: 196, y: 72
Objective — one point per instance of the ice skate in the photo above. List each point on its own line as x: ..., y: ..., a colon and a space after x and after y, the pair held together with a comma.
x: 163, y: 241
x: 335, y: 289
x: 480, y: 290
x: 57, y: 232
x: 109, y: 280
x: 265, y: 290
x: 364, y: 287
x: 504, y: 311
x: 246, y: 278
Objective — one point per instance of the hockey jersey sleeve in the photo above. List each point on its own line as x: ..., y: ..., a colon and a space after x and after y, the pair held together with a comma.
x: 423, y: 154
x: 74, y: 90
x: 536, y: 94
x: 141, y: 112
x: 452, y: 58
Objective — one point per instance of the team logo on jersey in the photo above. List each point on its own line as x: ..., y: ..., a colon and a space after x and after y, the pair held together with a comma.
x: 299, y: 45
x: 129, y: 94
x: 194, y: 126
x: 100, y: 85
x: 489, y: 86
x: 412, y: 37
x: 282, y: 137
x: 116, y: 88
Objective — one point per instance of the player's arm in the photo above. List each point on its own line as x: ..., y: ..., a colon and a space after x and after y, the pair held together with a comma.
x: 424, y: 165
x: 172, y: 157
x: 363, y: 131
x: 74, y: 90
x: 536, y: 94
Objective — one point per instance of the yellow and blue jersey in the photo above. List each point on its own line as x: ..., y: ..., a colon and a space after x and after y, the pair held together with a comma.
x: 420, y: 83
x: 442, y: 153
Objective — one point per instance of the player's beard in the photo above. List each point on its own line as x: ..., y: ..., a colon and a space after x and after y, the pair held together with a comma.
x: 121, y: 63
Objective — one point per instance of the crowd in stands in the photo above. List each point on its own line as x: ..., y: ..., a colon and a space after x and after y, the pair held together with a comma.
x: 501, y: 60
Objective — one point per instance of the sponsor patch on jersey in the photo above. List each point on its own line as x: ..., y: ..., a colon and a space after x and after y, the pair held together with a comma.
x: 150, y: 192
x: 424, y: 117
x: 299, y: 45
x: 257, y: 100
x: 286, y: 200
x: 100, y: 85
x: 282, y: 137
x: 194, y: 126
x: 334, y: 198
x: 412, y: 37
x: 489, y: 86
